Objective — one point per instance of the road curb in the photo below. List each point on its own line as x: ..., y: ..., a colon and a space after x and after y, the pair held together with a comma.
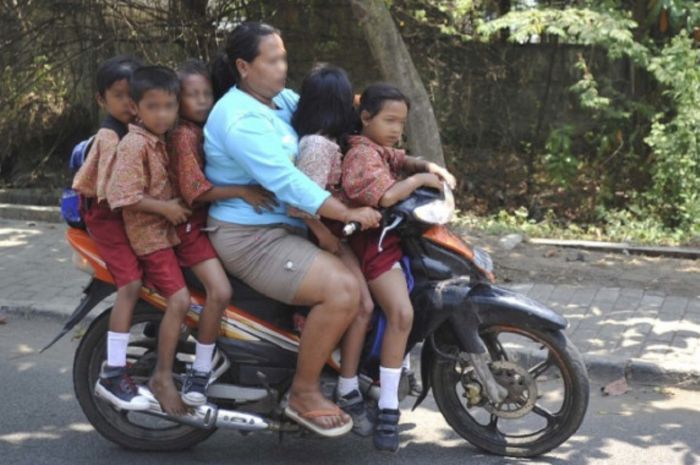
x: 44, y: 213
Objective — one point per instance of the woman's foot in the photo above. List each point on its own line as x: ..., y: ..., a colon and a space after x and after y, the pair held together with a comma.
x: 304, y: 403
x: 354, y: 405
x: 165, y: 392
x: 386, y: 430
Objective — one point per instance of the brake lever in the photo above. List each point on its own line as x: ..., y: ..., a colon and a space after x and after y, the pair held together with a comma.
x: 394, y: 224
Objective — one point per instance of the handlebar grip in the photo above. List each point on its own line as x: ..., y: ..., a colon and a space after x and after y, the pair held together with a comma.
x: 351, y: 228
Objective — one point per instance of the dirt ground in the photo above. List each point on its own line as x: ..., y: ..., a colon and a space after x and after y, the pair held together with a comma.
x: 557, y: 265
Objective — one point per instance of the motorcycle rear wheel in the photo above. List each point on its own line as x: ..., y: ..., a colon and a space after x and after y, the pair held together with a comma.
x: 131, y: 430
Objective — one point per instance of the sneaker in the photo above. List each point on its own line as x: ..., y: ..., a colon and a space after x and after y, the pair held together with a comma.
x: 386, y: 430
x: 194, y: 388
x: 354, y: 405
x: 116, y: 386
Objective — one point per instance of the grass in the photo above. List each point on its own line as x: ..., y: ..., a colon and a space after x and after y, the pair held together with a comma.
x: 617, y: 226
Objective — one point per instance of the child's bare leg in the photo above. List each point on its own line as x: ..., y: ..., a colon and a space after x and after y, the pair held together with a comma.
x: 161, y: 383
x: 123, y: 309
x: 391, y: 294
x: 351, y: 348
x: 218, y: 289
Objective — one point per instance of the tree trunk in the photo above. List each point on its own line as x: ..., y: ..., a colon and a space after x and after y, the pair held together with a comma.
x: 396, y: 65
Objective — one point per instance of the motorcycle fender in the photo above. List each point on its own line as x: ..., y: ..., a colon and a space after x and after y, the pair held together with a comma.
x: 427, y: 358
x: 493, y: 304
x: 95, y: 292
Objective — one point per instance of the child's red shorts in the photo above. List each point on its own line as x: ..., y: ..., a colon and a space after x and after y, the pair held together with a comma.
x: 373, y: 262
x: 195, y: 246
x: 162, y: 267
x: 106, y: 228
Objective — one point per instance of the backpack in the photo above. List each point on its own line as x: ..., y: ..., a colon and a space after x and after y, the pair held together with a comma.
x: 70, y: 198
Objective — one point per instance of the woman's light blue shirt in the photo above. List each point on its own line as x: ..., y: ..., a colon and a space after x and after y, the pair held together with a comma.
x: 249, y: 143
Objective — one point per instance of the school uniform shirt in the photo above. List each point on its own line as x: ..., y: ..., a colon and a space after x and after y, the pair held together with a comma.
x: 92, y: 178
x: 248, y: 143
x: 369, y: 170
x: 186, y: 153
x: 141, y: 168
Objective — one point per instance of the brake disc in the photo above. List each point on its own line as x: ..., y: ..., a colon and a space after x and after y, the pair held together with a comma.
x: 522, y: 390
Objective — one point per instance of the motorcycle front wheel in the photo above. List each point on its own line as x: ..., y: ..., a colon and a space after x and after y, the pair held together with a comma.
x: 546, y: 379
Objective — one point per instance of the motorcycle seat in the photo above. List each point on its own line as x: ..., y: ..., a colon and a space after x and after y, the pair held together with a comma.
x: 252, y: 302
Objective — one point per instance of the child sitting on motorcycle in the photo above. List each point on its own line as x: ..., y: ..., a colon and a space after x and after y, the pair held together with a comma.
x: 106, y: 228
x: 372, y: 176
x: 323, y: 120
x: 186, y: 152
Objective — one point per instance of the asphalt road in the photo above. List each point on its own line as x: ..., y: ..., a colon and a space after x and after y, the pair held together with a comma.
x: 41, y: 423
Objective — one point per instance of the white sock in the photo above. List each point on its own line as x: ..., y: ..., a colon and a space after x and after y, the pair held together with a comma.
x: 116, y: 348
x: 407, y: 362
x: 202, y: 357
x: 347, y: 385
x: 389, y: 387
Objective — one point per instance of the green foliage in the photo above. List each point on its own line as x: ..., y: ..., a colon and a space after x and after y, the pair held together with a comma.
x: 675, y: 135
x: 584, y: 26
x: 673, y: 198
x: 559, y: 160
x: 679, y: 14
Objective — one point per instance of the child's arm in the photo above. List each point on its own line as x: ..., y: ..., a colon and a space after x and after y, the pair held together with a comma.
x: 402, y: 189
x: 126, y: 188
x: 174, y: 210
x: 416, y: 165
x: 326, y: 239
x: 194, y: 185
x: 256, y: 196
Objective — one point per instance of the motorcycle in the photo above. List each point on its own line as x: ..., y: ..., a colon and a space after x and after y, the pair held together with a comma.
x: 504, y: 374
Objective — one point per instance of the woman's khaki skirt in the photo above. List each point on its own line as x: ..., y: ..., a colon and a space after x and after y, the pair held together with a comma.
x: 272, y: 259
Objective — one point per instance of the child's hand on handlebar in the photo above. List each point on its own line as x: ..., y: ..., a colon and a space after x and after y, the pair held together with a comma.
x: 429, y: 180
x: 367, y: 217
x: 443, y: 174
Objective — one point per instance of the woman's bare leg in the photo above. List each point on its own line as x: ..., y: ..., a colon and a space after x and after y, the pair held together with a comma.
x: 333, y: 293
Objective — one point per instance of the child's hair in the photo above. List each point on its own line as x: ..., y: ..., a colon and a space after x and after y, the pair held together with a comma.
x: 243, y: 42
x: 115, y: 69
x: 148, y: 78
x: 191, y: 67
x: 373, y: 98
x: 325, y: 104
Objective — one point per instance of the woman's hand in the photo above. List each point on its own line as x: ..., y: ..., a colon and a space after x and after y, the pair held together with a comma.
x: 367, y: 217
x: 259, y: 198
x: 443, y: 174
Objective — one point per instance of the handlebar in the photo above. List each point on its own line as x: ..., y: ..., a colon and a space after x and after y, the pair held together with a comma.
x: 351, y: 228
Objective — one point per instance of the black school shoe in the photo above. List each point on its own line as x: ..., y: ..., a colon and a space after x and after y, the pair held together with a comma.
x: 194, y: 388
x: 354, y: 405
x: 116, y: 386
x: 386, y: 430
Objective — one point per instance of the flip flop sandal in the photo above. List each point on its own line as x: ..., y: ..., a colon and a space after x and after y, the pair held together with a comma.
x: 304, y: 419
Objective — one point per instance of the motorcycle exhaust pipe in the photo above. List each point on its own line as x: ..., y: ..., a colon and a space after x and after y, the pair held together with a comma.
x: 209, y: 416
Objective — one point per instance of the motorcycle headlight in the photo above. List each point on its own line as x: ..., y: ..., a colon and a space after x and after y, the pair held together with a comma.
x: 438, y: 211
